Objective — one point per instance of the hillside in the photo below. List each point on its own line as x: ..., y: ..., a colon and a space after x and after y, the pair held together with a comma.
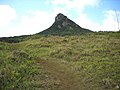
x: 64, y: 26
x: 61, y: 27
x: 79, y: 62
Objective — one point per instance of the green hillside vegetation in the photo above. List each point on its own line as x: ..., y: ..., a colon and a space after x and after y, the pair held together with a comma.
x: 79, y: 62
x: 15, y: 39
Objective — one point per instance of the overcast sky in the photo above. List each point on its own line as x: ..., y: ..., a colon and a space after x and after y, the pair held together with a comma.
x: 23, y: 17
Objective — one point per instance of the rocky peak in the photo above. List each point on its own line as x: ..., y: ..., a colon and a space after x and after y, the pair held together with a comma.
x: 64, y: 26
x: 60, y: 17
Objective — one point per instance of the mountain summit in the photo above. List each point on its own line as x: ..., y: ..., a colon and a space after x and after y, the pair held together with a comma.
x: 64, y: 26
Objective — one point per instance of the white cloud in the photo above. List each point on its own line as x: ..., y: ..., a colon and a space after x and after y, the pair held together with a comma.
x: 32, y: 22
x: 57, y: 10
x: 75, y: 3
x: 110, y: 22
x: 87, y: 23
x: 79, y: 5
x: 35, y: 21
x: 83, y: 20
x: 7, y: 15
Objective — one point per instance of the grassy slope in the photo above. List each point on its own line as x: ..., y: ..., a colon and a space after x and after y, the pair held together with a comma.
x: 87, y: 62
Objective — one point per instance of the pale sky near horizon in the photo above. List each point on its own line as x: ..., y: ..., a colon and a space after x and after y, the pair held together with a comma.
x: 24, y: 17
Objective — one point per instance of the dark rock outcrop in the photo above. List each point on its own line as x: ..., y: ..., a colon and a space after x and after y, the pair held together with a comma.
x: 64, y: 26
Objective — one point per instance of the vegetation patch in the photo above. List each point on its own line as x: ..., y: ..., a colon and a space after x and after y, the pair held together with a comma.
x: 89, y: 62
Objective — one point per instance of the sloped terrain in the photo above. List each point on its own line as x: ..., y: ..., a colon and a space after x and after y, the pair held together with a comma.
x: 85, y: 62
x: 64, y: 26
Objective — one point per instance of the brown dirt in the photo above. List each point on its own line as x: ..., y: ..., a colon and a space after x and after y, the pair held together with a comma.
x: 69, y: 80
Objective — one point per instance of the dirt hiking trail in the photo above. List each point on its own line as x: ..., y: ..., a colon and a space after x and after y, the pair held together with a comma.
x: 69, y: 80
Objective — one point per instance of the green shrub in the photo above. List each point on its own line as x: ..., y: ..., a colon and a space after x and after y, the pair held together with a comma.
x: 18, y: 56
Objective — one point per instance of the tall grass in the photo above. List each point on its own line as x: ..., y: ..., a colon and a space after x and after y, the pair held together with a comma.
x: 96, y: 59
